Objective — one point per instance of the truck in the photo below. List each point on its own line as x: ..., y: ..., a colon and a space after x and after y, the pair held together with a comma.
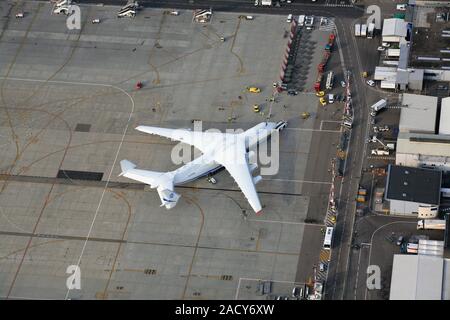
x: 357, y: 30
x: 377, y: 107
x: 301, y: 20
x: 363, y: 30
x: 380, y: 152
x: 431, y: 224
x: 330, y: 43
x: 329, y: 83
x: 370, y: 30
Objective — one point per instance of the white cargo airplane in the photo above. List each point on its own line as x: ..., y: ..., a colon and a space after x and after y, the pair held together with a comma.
x: 229, y: 150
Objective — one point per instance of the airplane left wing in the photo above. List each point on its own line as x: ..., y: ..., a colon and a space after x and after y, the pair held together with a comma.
x: 238, y: 168
x: 201, y: 140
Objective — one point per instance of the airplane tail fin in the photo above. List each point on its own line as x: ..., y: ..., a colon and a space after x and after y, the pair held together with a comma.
x: 162, y: 181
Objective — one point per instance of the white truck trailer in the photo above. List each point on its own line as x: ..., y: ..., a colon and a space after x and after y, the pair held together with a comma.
x: 357, y: 30
x: 370, y: 30
x: 377, y: 107
x: 364, y: 30
x: 431, y: 224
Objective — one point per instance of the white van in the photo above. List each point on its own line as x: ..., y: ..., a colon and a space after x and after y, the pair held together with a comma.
x: 401, y: 7
x: 328, y: 238
x: 289, y: 18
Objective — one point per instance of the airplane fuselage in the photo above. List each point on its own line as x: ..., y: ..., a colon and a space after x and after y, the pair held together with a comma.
x: 204, y: 165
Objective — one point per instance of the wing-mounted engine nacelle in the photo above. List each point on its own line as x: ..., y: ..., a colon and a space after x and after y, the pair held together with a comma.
x: 251, y: 157
x: 281, y: 125
x: 253, y: 167
x: 168, y: 198
x: 257, y: 179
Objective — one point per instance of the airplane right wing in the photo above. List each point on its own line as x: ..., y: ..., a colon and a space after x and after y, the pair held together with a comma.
x: 238, y: 168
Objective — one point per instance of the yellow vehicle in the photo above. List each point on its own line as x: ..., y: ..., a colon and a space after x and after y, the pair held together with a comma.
x: 253, y: 89
x: 320, y: 93
x: 365, y: 74
x: 306, y: 115
x: 256, y: 108
x: 323, y: 101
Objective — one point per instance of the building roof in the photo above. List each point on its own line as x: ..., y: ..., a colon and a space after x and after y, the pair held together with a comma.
x: 385, y: 73
x: 444, y: 122
x: 394, y: 27
x: 417, y: 277
x: 423, y: 144
x: 413, y: 184
x: 418, y: 113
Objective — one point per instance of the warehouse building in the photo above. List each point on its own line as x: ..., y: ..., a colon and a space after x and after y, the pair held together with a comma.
x: 394, y: 30
x: 420, y: 277
x: 410, y: 190
x: 444, y: 121
x: 418, y: 113
x: 423, y: 150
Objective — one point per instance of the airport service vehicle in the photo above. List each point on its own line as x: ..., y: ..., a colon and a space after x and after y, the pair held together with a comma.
x: 343, y: 84
x: 412, y: 248
x: 364, y: 30
x: 386, y: 44
x: 322, y: 101
x: 61, y: 9
x: 328, y: 238
x: 211, y: 180
x: 253, y: 89
x: 229, y: 150
x: 377, y: 107
x: 330, y: 98
x: 370, y: 30
x: 320, y: 93
x: 400, y: 241
x: 19, y: 15
x: 401, y: 7
x: 431, y: 224
x: 292, y: 92
x: 321, y: 267
x: 309, y: 22
x: 381, y: 48
x: 295, y: 292
x: 174, y: 13
x: 248, y: 17
x: 329, y: 83
x: 357, y: 30
x: 379, y: 152
x: 256, y: 108
x: 289, y: 18
x: 256, y: 3
x: 266, y: 2
x: 371, y: 83
x: 301, y: 20
x: 126, y: 13
x: 96, y: 21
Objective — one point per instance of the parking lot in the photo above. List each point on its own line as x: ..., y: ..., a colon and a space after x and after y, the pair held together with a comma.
x: 70, y: 105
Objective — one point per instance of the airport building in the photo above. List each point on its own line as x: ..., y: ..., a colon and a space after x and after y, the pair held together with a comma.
x: 425, y: 276
x: 412, y: 190
x: 418, y: 145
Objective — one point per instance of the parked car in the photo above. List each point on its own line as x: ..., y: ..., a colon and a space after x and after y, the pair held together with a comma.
x: 292, y: 92
x: 320, y: 94
x: 386, y: 44
x: 371, y: 83
x: 343, y: 84
x: 400, y: 240
x: 322, y: 267
x: 380, y: 48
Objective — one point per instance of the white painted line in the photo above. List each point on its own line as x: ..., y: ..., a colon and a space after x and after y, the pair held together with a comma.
x: 287, y: 222
x: 313, y: 130
x: 298, y: 181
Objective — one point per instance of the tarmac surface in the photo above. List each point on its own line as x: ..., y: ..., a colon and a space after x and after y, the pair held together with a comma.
x: 69, y: 103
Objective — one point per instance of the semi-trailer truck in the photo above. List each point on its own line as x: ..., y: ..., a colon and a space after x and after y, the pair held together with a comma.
x: 431, y: 224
